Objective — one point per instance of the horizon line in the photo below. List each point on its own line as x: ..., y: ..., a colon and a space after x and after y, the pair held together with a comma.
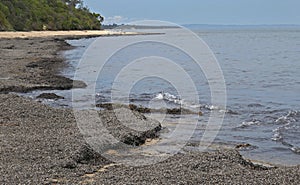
x: 207, y: 24
x: 240, y: 24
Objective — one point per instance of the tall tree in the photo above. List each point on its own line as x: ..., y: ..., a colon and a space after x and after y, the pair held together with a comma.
x: 25, y: 15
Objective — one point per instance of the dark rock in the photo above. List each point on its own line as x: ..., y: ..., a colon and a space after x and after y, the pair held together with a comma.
x: 69, y: 164
x: 78, y: 84
x: 174, y: 111
x: 246, y: 145
x: 106, y: 106
x: 145, y: 110
x: 51, y: 96
x: 139, y: 109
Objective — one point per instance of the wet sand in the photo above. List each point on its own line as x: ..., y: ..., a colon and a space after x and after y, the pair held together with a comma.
x: 43, y: 145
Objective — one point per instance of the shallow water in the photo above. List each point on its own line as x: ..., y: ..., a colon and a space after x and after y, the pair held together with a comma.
x: 261, y: 70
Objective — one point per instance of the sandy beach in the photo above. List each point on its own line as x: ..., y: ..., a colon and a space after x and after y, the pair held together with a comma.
x: 87, y: 33
x: 43, y: 145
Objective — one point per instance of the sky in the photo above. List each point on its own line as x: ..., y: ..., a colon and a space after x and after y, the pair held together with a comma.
x: 224, y: 12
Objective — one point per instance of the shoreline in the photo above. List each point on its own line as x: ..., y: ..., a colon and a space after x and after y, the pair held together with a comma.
x: 40, y: 144
x: 39, y: 60
x: 66, y: 34
x: 33, y: 64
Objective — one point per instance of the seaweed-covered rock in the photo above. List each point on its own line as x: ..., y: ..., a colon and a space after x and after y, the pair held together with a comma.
x: 51, y: 96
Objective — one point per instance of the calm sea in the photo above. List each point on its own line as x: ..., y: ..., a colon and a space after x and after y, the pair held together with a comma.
x: 261, y: 68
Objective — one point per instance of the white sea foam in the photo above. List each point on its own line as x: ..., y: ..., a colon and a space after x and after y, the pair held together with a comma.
x: 296, y: 150
x: 249, y: 123
x: 287, y: 124
x: 277, y: 136
x: 289, y: 118
x: 169, y: 97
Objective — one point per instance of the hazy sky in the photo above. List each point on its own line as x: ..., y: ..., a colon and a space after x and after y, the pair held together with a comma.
x: 200, y: 11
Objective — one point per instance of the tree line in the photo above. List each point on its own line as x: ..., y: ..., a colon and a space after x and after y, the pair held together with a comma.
x: 27, y: 15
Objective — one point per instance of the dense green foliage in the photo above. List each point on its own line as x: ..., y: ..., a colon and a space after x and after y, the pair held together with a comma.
x: 26, y: 15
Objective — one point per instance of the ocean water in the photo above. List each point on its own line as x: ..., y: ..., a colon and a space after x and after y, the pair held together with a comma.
x: 261, y: 68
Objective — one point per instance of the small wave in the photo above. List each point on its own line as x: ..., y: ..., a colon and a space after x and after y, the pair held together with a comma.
x: 169, y: 97
x: 291, y: 117
x: 296, y: 150
x: 217, y: 108
x: 287, y: 124
x: 247, y: 124
x: 210, y: 107
x: 188, y: 105
x: 228, y: 111
x: 277, y: 136
x: 98, y: 95
x: 160, y: 96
